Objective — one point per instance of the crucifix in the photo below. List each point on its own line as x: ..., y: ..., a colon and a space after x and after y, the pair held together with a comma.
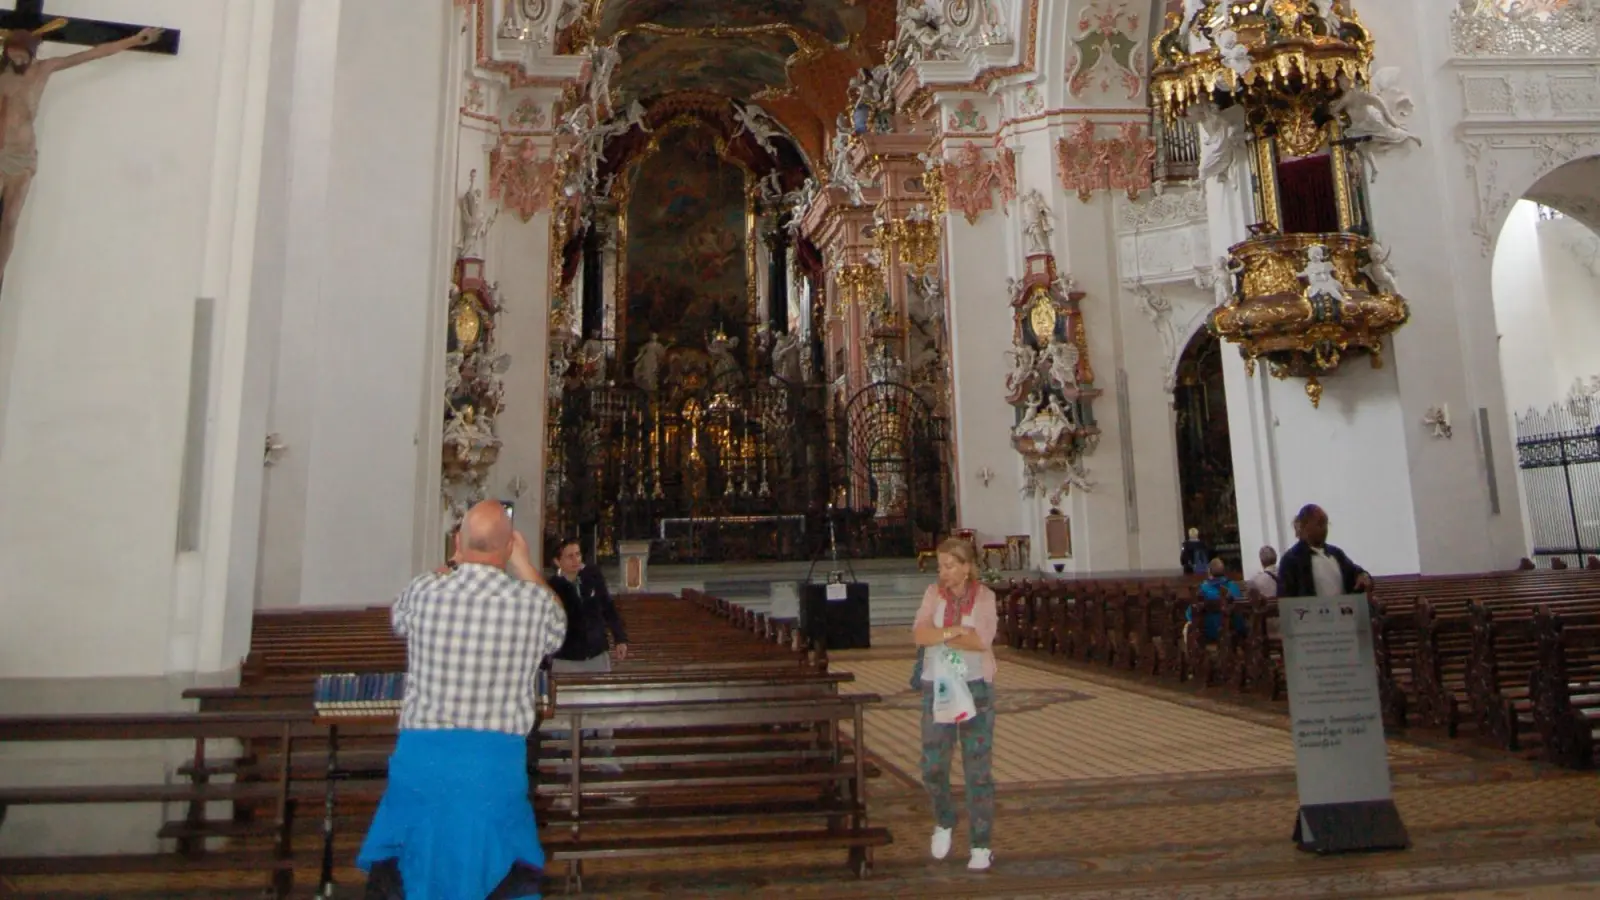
x: 22, y: 81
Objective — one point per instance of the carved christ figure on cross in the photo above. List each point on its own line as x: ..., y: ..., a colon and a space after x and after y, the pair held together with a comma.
x: 22, y: 80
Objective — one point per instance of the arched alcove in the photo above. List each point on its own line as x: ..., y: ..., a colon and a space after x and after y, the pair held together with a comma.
x: 1205, y: 454
x: 1546, y: 287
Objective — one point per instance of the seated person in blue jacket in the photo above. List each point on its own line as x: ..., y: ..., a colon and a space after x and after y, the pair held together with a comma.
x: 1217, y: 587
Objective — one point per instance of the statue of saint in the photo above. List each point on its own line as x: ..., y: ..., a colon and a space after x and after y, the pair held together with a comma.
x: 23, y: 77
x: 647, y: 365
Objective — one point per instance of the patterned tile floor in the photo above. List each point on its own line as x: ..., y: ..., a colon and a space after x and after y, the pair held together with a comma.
x: 1112, y: 789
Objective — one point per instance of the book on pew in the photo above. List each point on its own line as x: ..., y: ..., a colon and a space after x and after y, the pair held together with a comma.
x: 1336, y: 721
x: 373, y: 694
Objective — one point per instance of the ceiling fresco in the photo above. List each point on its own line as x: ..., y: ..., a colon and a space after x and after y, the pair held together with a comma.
x: 835, y: 21
x: 794, y: 57
x: 743, y: 66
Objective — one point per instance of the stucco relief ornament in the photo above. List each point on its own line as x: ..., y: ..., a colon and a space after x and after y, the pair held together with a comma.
x: 1438, y: 419
x: 970, y: 181
x: 519, y: 179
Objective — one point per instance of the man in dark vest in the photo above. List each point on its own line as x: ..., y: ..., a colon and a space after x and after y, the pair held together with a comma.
x: 590, y: 613
x: 1315, y: 568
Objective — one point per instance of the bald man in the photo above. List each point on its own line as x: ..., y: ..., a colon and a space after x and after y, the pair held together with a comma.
x: 455, y: 819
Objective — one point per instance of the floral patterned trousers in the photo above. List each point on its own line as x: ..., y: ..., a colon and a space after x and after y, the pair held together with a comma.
x: 976, y: 736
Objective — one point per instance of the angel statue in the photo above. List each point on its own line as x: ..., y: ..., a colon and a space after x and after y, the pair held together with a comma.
x: 1235, y: 55
x: 647, y: 365
x: 1078, y: 477
x: 604, y: 63
x: 922, y: 32
x: 1380, y: 270
x: 755, y: 120
x: 474, y: 223
x: 1319, y: 275
x: 1064, y: 364
x: 1375, y: 114
x: 1221, y: 136
x: 1023, y: 359
x: 843, y: 173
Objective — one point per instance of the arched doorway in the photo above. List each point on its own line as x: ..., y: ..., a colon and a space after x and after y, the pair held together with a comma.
x: 1546, y: 287
x: 1205, y: 455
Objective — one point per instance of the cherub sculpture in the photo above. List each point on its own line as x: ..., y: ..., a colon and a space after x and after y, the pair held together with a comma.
x: 1319, y: 275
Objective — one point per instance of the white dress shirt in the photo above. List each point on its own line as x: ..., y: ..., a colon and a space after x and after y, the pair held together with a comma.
x: 1326, y: 574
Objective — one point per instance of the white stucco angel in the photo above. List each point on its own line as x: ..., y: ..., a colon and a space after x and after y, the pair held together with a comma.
x: 1077, y: 476
x: 843, y: 174
x: 475, y: 222
x: 929, y: 290
x: 755, y: 120
x: 1380, y: 270
x: 577, y: 121
x: 468, y: 434
x: 1319, y: 274
x: 922, y: 31
x: 604, y: 63
x: 1377, y: 113
x: 1064, y: 357
x: 1222, y: 136
x: 1235, y: 55
x: 1023, y: 360
x: 1038, y: 223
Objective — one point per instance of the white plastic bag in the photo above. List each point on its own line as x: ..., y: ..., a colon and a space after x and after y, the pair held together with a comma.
x: 952, y: 700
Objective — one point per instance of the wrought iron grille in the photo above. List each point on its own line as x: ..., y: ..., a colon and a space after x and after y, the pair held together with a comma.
x: 1558, y: 453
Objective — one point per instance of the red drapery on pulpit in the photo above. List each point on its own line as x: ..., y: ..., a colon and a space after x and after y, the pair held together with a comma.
x: 1306, y: 189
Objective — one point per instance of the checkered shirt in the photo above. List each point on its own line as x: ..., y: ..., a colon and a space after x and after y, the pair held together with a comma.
x: 475, y: 638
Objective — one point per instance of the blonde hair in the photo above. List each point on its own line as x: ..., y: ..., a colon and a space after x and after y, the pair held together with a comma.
x: 961, y: 549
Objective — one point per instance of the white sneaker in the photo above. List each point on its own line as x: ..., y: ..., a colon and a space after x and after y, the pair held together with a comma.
x: 941, y: 842
x: 980, y: 860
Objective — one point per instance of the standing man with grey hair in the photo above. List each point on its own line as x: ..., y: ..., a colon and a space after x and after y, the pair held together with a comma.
x: 1265, y: 582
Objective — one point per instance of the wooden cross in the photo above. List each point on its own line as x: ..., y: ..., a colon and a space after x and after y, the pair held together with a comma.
x: 29, y: 16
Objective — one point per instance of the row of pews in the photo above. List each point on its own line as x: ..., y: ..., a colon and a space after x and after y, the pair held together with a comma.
x: 1512, y: 657
x: 723, y: 732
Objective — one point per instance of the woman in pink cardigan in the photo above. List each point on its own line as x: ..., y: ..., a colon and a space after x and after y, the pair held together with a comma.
x: 959, y: 613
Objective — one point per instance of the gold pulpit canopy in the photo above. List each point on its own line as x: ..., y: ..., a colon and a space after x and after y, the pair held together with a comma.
x: 1273, y: 80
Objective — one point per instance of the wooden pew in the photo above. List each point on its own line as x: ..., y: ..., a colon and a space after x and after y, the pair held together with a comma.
x: 803, y: 769
x: 280, y: 793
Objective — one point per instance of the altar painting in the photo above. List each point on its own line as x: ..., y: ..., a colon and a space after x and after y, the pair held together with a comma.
x: 686, y: 251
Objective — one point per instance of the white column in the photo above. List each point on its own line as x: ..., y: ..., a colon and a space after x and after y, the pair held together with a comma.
x: 522, y: 254
x: 381, y: 312
x: 980, y: 331
x: 1102, y: 540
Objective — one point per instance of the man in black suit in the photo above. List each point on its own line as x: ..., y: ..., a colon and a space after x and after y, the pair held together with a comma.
x: 590, y: 612
x: 1315, y: 568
